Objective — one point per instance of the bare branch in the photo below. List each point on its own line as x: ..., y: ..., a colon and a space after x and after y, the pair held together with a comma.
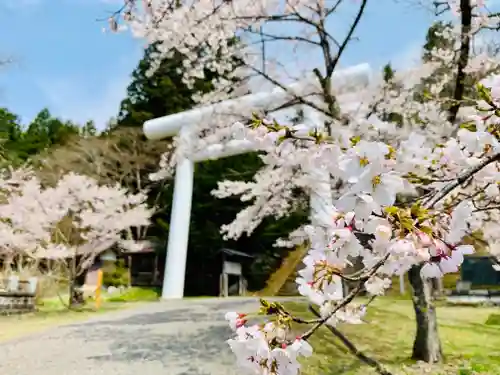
x: 448, y: 188
x: 347, y: 299
x: 348, y: 38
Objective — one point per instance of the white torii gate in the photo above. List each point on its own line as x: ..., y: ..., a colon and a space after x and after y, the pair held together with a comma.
x: 180, y: 124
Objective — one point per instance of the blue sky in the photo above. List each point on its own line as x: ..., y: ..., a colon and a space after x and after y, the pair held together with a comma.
x: 63, y: 60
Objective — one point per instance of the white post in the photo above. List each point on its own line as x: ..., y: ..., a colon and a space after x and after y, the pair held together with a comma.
x: 321, y: 195
x: 225, y: 283
x: 402, y: 284
x: 178, y: 233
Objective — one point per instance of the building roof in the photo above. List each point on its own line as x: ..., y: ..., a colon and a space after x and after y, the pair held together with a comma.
x: 237, y: 253
x: 140, y: 247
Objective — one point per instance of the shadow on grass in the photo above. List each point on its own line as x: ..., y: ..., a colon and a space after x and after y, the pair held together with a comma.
x: 493, y: 320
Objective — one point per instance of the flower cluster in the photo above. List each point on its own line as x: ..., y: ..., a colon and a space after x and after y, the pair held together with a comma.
x: 265, y: 348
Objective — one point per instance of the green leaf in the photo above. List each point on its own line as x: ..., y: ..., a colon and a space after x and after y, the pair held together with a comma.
x: 470, y: 126
x: 264, y: 303
x: 391, y: 210
x: 426, y: 94
x: 485, y: 94
x: 355, y: 140
x: 427, y: 230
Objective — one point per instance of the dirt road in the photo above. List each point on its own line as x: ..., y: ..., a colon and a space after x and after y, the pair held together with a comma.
x: 184, y: 337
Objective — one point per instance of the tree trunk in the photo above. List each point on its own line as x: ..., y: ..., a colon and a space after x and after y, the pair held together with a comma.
x: 72, y: 290
x: 427, y: 345
x: 433, y: 283
x: 75, y: 296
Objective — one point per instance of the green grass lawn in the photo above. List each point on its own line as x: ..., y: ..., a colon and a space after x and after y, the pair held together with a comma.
x: 136, y: 294
x: 470, y: 345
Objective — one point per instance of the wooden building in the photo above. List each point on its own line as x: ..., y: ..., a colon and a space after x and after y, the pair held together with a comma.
x: 481, y: 271
x: 145, y: 266
x: 232, y: 280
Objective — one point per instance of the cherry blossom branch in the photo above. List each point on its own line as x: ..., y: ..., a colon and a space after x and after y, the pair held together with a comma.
x: 482, y: 209
x: 295, y: 319
x: 278, y: 38
x: 461, y: 179
x: 441, y: 7
x: 347, y: 299
x: 296, y: 99
x: 346, y: 277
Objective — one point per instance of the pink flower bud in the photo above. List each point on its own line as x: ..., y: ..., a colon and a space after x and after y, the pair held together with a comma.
x: 424, y: 239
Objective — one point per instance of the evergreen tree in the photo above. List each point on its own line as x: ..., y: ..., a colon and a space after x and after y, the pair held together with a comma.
x: 45, y: 131
x: 10, y: 126
x: 10, y: 134
x: 435, y: 39
x: 160, y: 94
x: 436, y: 43
x: 19, y: 143
x: 388, y: 72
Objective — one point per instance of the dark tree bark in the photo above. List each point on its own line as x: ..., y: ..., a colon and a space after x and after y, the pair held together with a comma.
x: 427, y: 345
x: 436, y: 288
x: 75, y: 295
x: 464, y: 54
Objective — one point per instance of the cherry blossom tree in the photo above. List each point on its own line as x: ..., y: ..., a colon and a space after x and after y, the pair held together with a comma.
x: 406, y: 189
x: 122, y: 157
x: 72, y: 222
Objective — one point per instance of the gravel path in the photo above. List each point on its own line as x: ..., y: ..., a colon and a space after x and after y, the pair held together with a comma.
x: 171, y: 338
